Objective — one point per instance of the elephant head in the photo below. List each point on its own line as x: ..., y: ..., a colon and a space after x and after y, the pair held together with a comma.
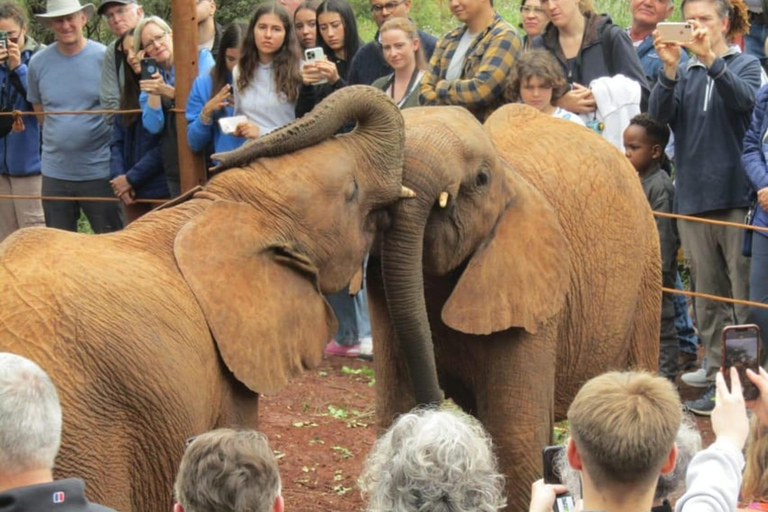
x: 291, y: 215
x: 471, y: 212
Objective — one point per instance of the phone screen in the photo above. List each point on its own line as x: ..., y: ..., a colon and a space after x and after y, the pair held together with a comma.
x: 741, y: 349
x: 550, y: 454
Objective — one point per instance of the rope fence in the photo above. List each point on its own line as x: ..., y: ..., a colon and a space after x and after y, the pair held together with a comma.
x: 17, y: 114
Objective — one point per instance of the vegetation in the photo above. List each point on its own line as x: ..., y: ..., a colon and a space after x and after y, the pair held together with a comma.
x: 432, y: 16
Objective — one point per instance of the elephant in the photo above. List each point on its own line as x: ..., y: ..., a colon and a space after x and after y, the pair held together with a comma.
x: 173, y: 326
x: 527, y: 263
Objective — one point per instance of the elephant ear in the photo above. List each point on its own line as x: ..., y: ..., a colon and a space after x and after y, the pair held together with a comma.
x: 519, y: 276
x: 261, y: 301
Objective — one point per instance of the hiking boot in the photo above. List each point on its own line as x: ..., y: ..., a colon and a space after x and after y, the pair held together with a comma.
x: 704, y: 405
x: 697, y: 379
x: 334, y: 349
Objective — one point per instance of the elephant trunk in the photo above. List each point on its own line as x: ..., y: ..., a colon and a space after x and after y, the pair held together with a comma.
x: 402, y: 251
x: 378, y: 120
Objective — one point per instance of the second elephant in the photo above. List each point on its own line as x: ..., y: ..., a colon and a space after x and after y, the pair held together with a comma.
x: 527, y: 264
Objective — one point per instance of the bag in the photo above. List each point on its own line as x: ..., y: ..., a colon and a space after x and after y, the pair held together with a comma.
x: 746, y: 245
x: 6, y: 122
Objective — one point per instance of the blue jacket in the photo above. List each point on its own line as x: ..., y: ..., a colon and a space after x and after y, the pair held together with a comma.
x: 753, y: 157
x: 20, y: 151
x: 651, y: 62
x: 136, y: 153
x: 709, y: 111
x: 200, y: 135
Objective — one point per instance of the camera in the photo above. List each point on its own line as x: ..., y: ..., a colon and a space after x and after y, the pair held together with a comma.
x: 3, y: 41
x: 310, y: 55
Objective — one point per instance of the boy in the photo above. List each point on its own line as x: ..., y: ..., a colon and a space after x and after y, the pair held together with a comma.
x: 644, y: 143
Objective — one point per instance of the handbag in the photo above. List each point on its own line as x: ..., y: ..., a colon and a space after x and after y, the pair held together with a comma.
x: 746, y: 244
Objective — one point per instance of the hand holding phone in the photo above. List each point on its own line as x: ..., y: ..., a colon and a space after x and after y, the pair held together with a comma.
x: 741, y: 350
x: 563, y: 502
x: 229, y: 124
x: 675, y: 32
x: 312, y: 55
x: 3, y: 45
x: 148, y: 68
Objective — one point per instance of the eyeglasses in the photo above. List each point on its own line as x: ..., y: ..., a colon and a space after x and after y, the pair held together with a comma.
x: 529, y: 9
x: 155, y: 41
x: 120, y: 11
x: 389, y: 6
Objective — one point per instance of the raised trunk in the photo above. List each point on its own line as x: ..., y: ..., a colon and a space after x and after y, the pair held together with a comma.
x: 403, y: 277
x: 377, y: 117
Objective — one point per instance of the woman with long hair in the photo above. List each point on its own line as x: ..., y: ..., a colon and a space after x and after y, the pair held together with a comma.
x: 305, y: 23
x: 136, y: 166
x: 153, y: 39
x: 403, y: 52
x: 337, y: 36
x: 754, y: 488
x: 267, y: 79
x: 211, y: 97
x: 587, y: 46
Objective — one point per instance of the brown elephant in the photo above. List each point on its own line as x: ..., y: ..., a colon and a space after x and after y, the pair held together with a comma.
x: 527, y: 263
x: 173, y: 326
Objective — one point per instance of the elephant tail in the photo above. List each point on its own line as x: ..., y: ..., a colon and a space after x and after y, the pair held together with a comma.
x: 645, y: 332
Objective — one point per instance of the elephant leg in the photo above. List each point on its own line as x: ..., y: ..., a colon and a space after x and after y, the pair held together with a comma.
x: 644, y: 330
x: 516, y: 404
x: 394, y: 393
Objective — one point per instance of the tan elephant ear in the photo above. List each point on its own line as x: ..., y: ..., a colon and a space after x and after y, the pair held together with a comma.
x: 261, y: 300
x: 519, y: 277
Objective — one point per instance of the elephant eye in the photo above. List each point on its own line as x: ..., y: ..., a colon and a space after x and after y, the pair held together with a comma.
x: 481, y: 179
x: 351, y: 190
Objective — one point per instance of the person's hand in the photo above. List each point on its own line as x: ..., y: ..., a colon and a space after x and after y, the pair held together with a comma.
x: 762, y: 198
x: 328, y: 70
x: 310, y: 73
x: 221, y: 99
x: 729, y: 418
x: 12, y: 55
x: 578, y: 100
x: 129, y: 197
x: 669, y: 54
x: 701, y: 45
x: 156, y: 85
x: 248, y: 130
x: 120, y: 185
x: 760, y: 406
x: 543, y: 496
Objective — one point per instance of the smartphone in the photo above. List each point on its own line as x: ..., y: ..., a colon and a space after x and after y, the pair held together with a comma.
x: 228, y: 124
x: 312, y: 55
x: 741, y: 348
x: 550, y: 454
x: 670, y: 32
x: 3, y: 42
x: 148, y: 68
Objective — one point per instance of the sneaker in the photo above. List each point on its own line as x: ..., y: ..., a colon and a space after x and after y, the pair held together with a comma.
x: 697, y: 379
x: 366, y: 348
x: 704, y: 405
x: 334, y: 349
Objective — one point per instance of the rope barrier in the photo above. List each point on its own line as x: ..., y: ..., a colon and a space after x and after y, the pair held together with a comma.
x: 22, y: 113
x: 710, y: 221
x: 94, y: 199
x: 715, y: 298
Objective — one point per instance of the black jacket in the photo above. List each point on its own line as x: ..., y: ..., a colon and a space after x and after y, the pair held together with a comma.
x: 593, y: 60
x: 60, y: 496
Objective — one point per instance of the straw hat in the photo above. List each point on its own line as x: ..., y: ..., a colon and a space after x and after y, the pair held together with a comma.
x: 56, y: 8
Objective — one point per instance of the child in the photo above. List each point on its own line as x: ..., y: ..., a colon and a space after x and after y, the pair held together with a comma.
x: 644, y: 143
x: 538, y: 81
x: 754, y: 489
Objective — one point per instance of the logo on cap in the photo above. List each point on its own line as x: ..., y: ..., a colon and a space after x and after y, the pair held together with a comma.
x: 58, y: 497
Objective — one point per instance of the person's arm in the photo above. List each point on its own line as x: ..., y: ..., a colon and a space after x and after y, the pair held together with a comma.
x: 152, y: 118
x: 109, y: 90
x: 664, y: 99
x: 37, y: 107
x: 33, y: 91
x: 662, y: 202
x: 752, y: 157
x: 625, y: 62
x: 149, y: 165
x: 487, y: 84
x: 429, y: 82
x: 737, y: 91
x: 205, y: 62
x: 199, y: 127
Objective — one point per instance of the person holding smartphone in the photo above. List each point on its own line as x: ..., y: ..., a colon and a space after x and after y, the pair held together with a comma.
x: 19, y: 150
x: 305, y: 23
x: 268, y: 77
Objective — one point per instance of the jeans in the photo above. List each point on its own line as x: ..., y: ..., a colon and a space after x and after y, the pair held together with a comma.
x: 104, y: 217
x: 754, y: 41
x: 20, y: 213
x: 758, y: 289
x: 352, y: 314
x: 686, y: 336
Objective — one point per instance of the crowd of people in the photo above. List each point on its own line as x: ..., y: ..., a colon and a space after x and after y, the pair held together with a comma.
x: 642, y: 457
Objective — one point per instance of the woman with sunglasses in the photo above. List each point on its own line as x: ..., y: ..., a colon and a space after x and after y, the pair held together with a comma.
x: 19, y: 150
x: 153, y: 39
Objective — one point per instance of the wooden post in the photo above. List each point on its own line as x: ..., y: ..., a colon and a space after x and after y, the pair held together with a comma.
x: 184, y: 24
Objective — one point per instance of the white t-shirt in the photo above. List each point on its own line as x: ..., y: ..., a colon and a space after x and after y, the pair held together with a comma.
x: 261, y: 103
x: 459, y: 57
x: 570, y: 116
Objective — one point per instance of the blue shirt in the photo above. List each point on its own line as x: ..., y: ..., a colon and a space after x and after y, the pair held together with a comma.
x: 75, y: 147
x: 200, y: 135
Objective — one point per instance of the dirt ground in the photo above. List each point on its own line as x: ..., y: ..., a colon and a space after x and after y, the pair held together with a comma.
x: 323, y: 425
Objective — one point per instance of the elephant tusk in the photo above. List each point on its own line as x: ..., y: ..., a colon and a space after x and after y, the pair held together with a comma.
x: 443, y: 199
x: 406, y: 192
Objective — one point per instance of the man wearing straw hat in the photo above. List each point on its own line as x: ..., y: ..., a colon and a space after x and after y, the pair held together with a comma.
x: 75, y: 158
